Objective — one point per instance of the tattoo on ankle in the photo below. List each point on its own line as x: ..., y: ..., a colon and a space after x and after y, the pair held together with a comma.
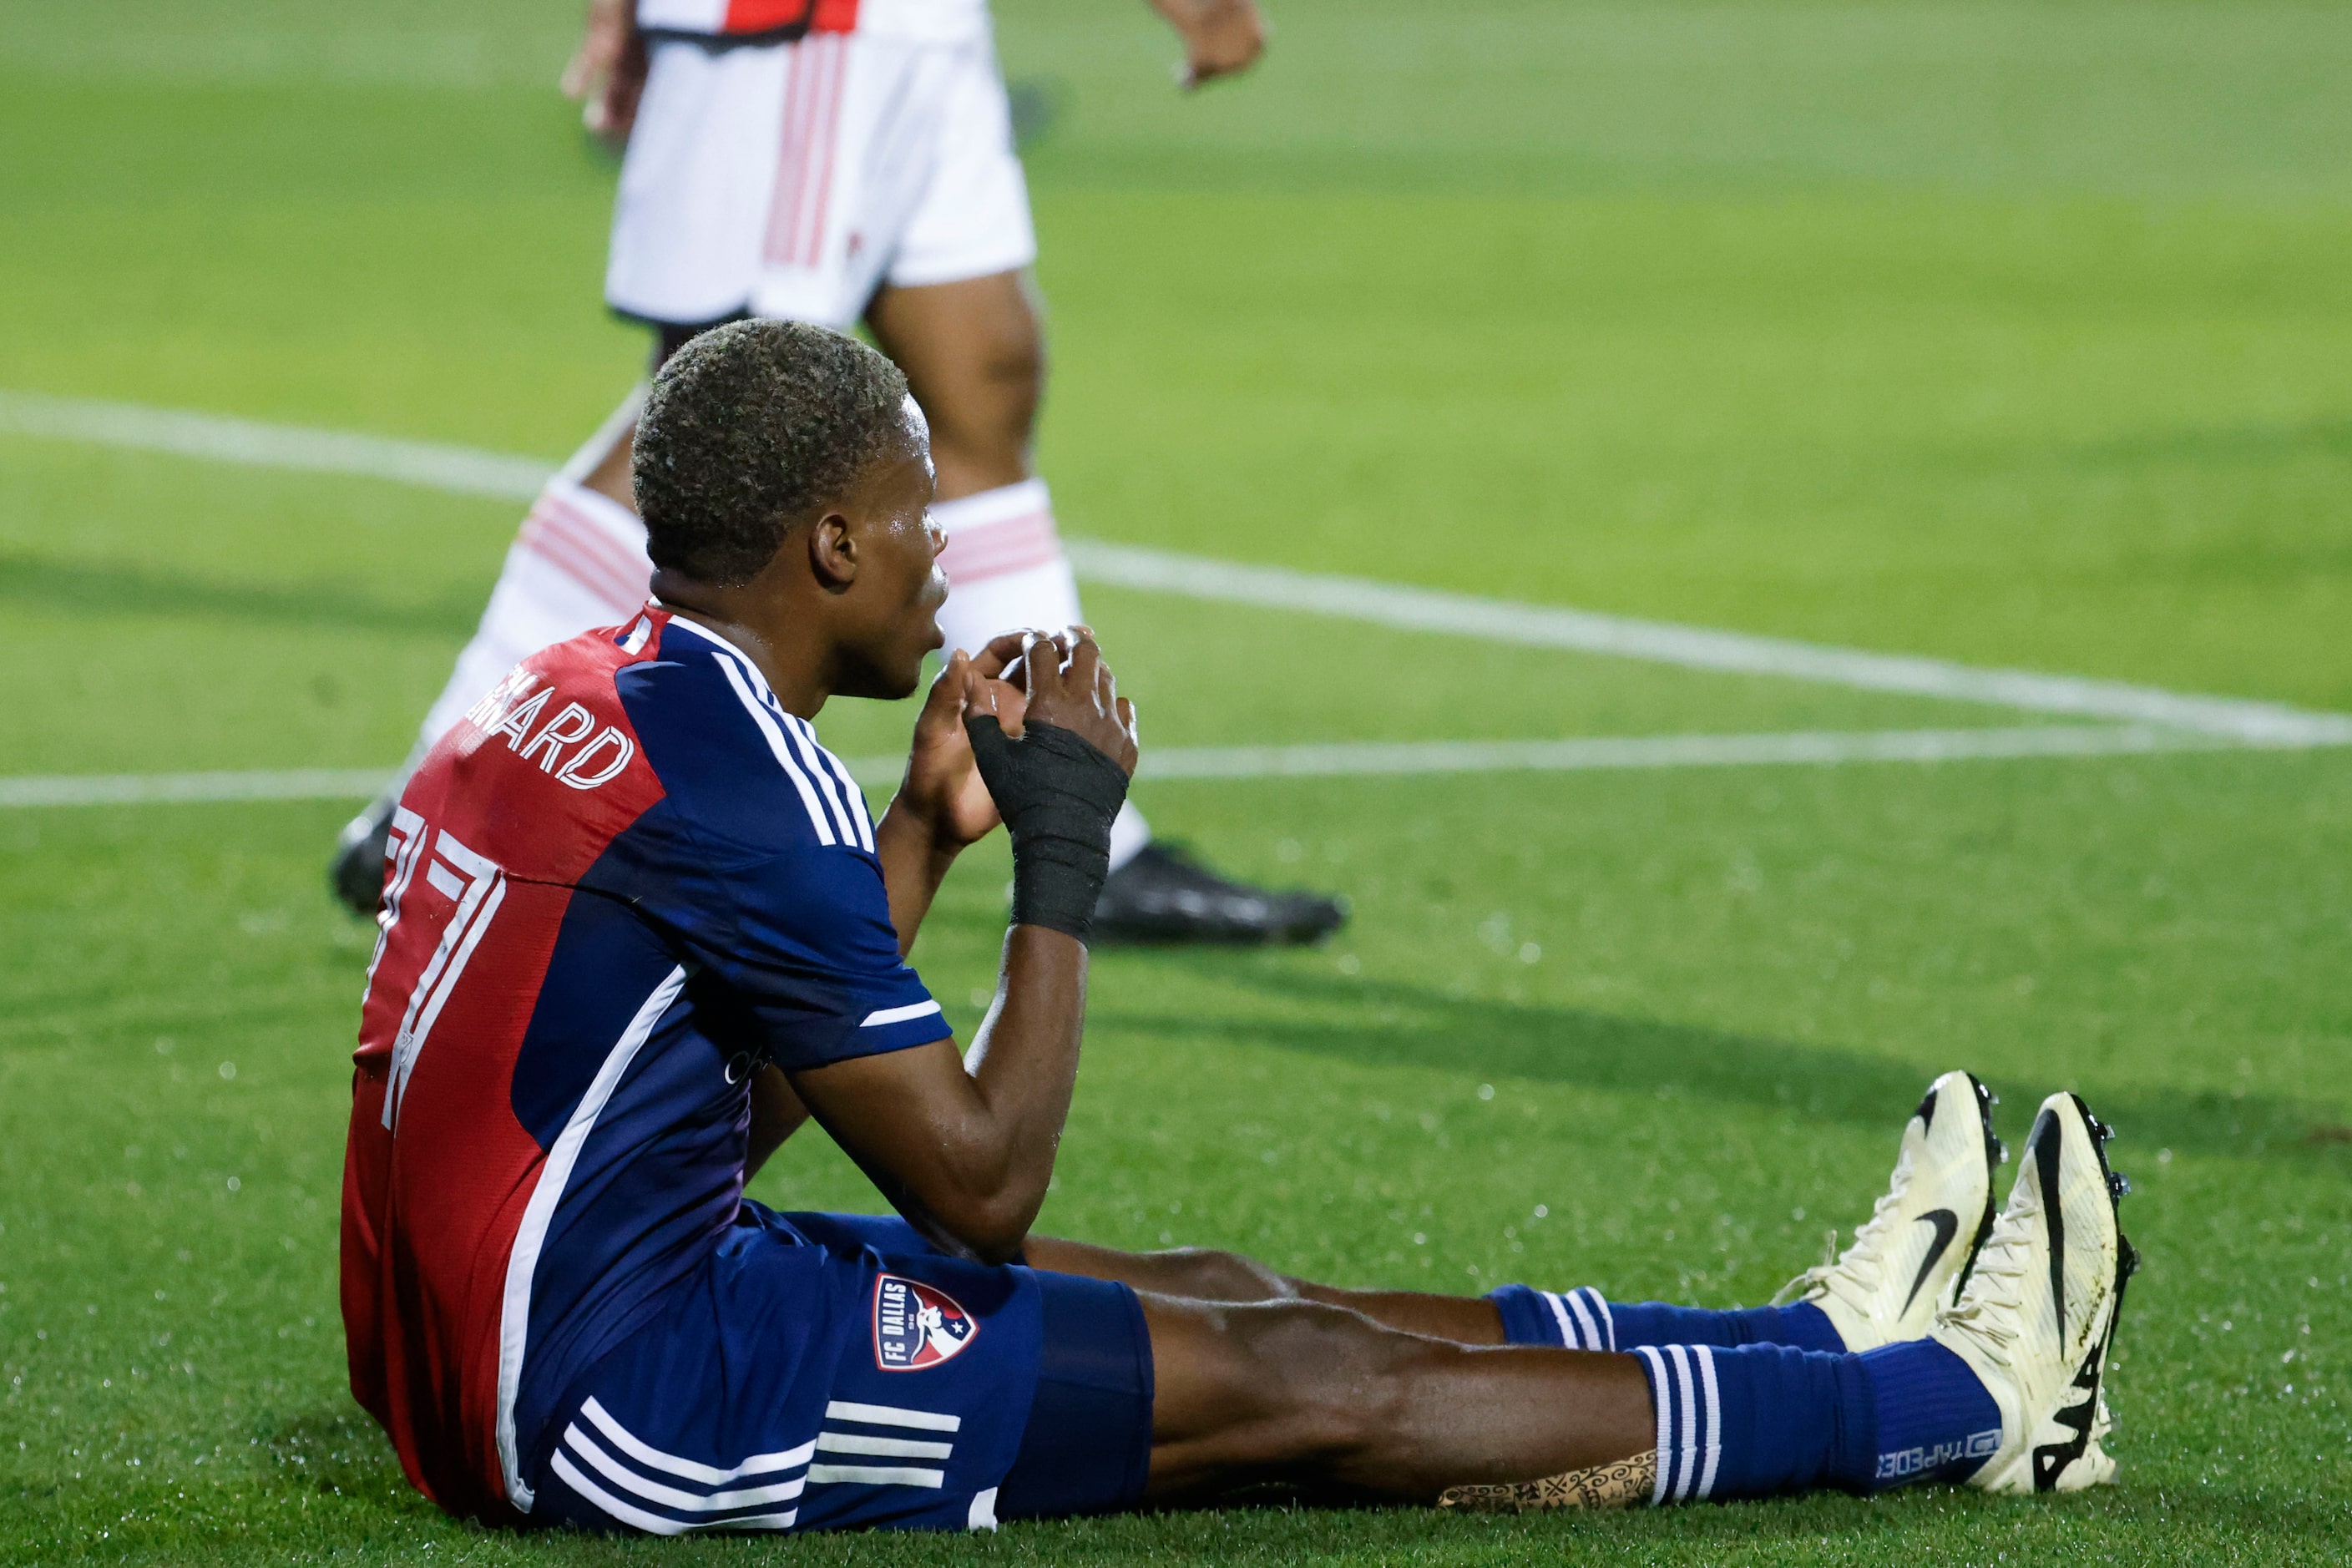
x: 1625, y: 1483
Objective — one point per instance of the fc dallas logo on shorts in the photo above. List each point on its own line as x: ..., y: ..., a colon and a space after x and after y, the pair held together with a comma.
x: 915, y: 1326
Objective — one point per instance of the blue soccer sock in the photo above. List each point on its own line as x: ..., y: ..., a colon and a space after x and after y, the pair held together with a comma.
x: 1580, y: 1320
x: 1761, y: 1420
x: 1758, y: 1421
x: 1935, y: 1421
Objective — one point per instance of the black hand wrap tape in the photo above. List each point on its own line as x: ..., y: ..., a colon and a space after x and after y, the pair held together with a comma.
x: 1057, y: 794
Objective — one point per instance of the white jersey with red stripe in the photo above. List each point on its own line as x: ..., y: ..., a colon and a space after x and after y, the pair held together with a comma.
x: 793, y: 179
x: 941, y: 20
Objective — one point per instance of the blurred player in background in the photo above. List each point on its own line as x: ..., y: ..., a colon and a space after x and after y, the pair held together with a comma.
x: 833, y: 162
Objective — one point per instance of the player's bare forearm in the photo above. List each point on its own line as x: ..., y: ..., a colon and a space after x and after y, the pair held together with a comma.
x: 915, y: 861
x: 1024, y: 1060
x: 963, y: 1145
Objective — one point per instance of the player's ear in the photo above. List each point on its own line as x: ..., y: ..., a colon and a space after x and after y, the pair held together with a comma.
x: 833, y: 550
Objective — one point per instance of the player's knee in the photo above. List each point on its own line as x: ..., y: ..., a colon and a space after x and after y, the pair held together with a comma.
x: 1338, y: 1376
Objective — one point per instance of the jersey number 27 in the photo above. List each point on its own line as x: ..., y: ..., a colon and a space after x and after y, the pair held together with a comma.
x: 472, y: 886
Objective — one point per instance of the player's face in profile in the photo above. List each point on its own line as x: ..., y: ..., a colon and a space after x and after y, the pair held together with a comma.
x: 898, y: 579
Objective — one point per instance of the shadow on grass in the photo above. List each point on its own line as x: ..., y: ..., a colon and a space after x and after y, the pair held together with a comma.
x: 86, y: 588
x: 1407, y: 1026
x: 2215, y: 446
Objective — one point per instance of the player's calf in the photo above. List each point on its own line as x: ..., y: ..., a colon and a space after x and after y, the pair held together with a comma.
x: 1315, y: 1394
x: 1323, y: 1396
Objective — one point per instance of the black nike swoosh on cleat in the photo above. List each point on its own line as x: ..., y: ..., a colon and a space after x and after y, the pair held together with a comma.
x: 1948, y: 1225
x: 2048, y: 1141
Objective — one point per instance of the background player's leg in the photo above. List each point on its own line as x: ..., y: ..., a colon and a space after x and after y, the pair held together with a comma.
x: 975, y: 358
x: 975, y: 355
x: 608, y: 476
x: 579, y: 561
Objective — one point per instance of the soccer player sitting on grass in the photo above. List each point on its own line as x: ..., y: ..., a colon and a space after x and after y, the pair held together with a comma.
x: 638, y: 926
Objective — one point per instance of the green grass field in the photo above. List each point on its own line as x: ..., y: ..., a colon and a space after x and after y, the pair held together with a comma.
x: 2015, y: 334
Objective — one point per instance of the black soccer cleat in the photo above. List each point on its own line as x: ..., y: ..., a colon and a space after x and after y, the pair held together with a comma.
x: 356, y: 873
x: 1164, y: 895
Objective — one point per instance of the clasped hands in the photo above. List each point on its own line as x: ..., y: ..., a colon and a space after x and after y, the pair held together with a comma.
x: 1057, y: 678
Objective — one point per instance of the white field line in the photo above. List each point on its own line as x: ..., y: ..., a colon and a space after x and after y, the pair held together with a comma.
x: 1819, y: 748
x: 1696, y: 647
x: 1592, y: 753
x: 469, y: 472
x: 460, y: 470
x: 165, y: 789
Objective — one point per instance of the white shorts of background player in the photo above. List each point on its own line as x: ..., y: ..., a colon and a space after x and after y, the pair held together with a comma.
x: 794, y: 180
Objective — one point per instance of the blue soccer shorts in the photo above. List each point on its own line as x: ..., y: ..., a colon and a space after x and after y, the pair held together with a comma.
x: 828, y: 1372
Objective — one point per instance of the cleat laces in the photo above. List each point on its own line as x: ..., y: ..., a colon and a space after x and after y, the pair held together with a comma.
x: 1854, y: 1278
x: 1992, y: 1312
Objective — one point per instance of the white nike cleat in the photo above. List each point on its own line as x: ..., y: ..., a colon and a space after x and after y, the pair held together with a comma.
x: 2038, y: 1315
x: 1909, y: 1261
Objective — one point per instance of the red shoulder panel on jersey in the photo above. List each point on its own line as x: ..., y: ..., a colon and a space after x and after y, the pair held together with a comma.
x: 506, y: 813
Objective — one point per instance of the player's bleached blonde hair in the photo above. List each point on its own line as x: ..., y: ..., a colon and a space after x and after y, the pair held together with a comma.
x: 751, y: 428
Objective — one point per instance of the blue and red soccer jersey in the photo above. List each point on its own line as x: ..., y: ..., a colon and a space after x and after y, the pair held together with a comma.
x: 627, y: 878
